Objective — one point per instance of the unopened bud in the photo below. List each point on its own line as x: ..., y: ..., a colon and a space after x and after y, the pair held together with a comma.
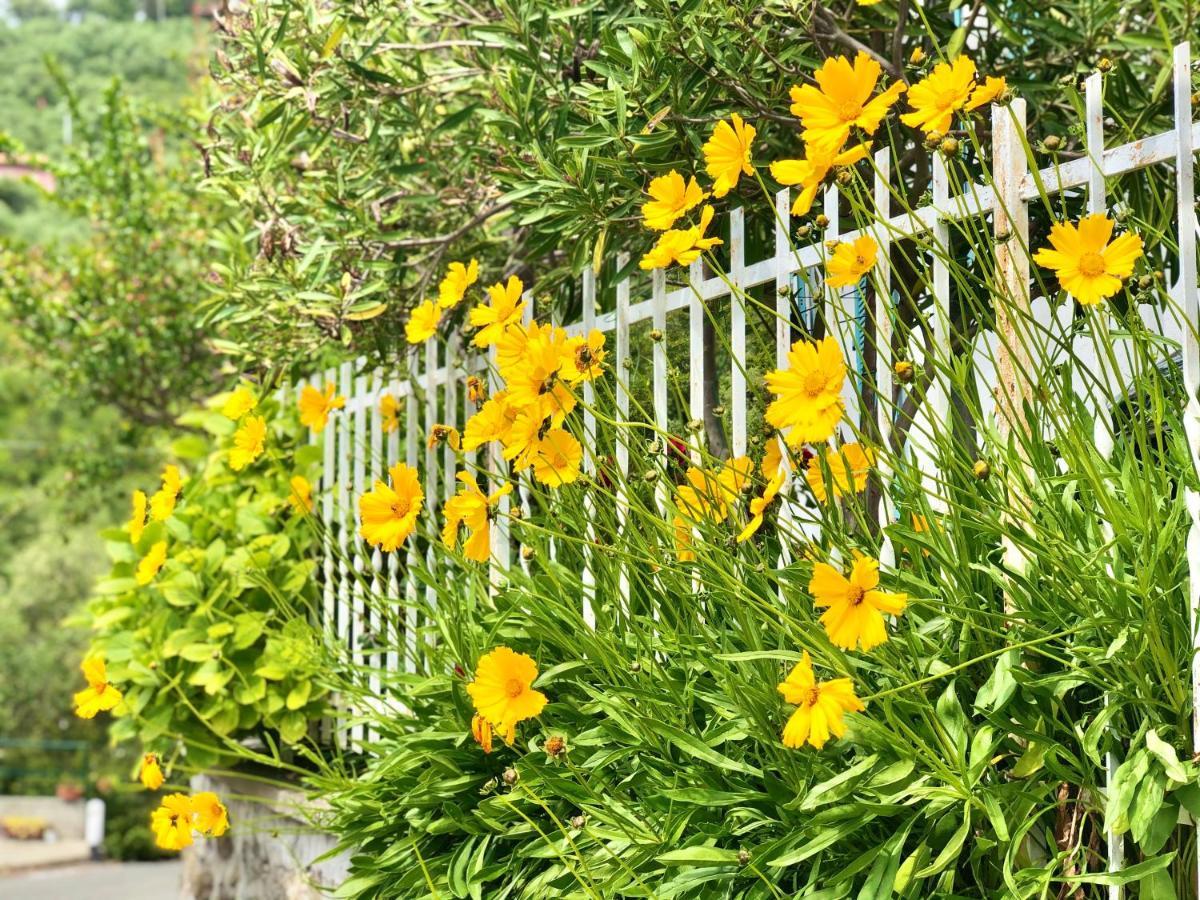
x: 932, y: 139
x: 718, y: 410
x: 844, y: 176
x: 904, y: 371
x: 743, y: 857
x: 555, y: 746
x: 949, y: 147
x: 577, y: 822
x: 821, y: 221
x: 831, y: 245
x: 916, y: 57
x: 1105, y: 64
x: 981, y: 470
x: 656, y: 335
x: 510, y: 776
x: 803, y: 231
x: 527, y: 552
x: 649, y: 475
x: 635, y: 666
x: 1052, y: 142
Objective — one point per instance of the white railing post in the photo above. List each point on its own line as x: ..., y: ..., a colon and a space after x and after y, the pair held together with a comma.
x: 737, y: 328
x: 1186, y: 297
x: 882, y: 338
x: 588, y: 576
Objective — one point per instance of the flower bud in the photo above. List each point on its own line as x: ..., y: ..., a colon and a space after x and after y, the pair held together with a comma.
x: 555, y: 746
x: 1104, y: 64
x: 527, y: 552
x: 981, y: 470
x: 510, y: 776
x: 718, y: 410
x: 743, y: 857
x: 949, y: 147
x: 656, y: 335
x: 844, y: 177
x: 1052, y: 142
x: 577, y: 822
x: 916, y: 57
x: 649, y: 475
x: 802, y: 233
x: 932, y: 139
x: 821, y: 221
x: 904, y: 371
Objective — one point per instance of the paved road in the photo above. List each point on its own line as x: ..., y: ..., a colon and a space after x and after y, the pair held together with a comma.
x: 96, y: 881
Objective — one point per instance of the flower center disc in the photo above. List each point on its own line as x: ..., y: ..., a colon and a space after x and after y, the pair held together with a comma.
x: 814, y: 694
x: 400, y: 508
x: 514, y: 688
x: 855, y: 595
x: 850, y: 111
x: 814, y: 384
x: 1091, y: 265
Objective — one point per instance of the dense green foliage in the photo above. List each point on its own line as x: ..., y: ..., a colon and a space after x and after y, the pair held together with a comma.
x: 218, y: 646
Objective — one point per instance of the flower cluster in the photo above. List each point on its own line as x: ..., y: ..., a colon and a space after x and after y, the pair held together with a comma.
x: 181, y: 817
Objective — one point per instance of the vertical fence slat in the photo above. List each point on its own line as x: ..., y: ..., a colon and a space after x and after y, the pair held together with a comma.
x: 883, y: 347
x: 622, y: 444
x: 1186, y: 297
x: 346, y: 515
x: 374, y: 614
x: 431, y: 462
x: 358, y: 447
x: 411, y: 457
x: 784, y: 305
x: 939, y: 401
x: 328, y: 520
x: 658, y: 300
x: 737, y: 329
x: 588, y: 576
x: 696, y: 313
x: 1102, y: 436
x: 394, y: 636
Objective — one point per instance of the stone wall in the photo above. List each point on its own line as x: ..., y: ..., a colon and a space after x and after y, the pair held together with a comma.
x: 269, y: 853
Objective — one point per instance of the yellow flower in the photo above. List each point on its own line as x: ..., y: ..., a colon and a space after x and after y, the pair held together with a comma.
x: 315, y: 406
x: 471, y: 508
x: 151, y: 774
x: 482, y: 732
x: 521, y: 440
x: 151, y: 563
x: 162, y: 504
x: 868, y: 2
x: 503, y: 690
x: 821, y: 706
x: 454, y: 286
x: 137, y: 518
x: 532, y: 361
x: 99, y: 695
x: 1089, y: 268
x: 811, y: 171
x: 683, y: 539
x: 588, y: 359
x: 670, y: 198
x: 248, y: 442
x: 727, y: 154
x: 772, y: 461
x: 389, y: 512
x: 707, y: 494
x: 856, y: 606
x: 759, y: 505
x: 842, y: 99
x: 172, y: 822
x: 240, y: 402
x: 848, y: 470
x: 939, y: 95
x: 171, y: 479
x: 476, y: 390
x: 301, y: 496
x: 681, y: 246
x: 808, y: 392
x: 389, y: 413
x: 211, y: 818
x: 506, y: 309
x: 556, y: 458
x: 444, y: 434
x: 850, y: 262
x: 990, y: 91
x: 493, y: 422
x: 422, y: 322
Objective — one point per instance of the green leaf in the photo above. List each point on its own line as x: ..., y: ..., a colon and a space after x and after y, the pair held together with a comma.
x: 1167, y: 756
x: 298, y: 695
x: 694, y: 747
x: 698, y: 856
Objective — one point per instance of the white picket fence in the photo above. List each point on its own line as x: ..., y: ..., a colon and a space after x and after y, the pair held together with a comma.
x: 356, y: 450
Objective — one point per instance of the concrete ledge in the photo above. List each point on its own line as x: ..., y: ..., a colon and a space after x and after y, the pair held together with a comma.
x: 269, y: 852
x: 16, y: 856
